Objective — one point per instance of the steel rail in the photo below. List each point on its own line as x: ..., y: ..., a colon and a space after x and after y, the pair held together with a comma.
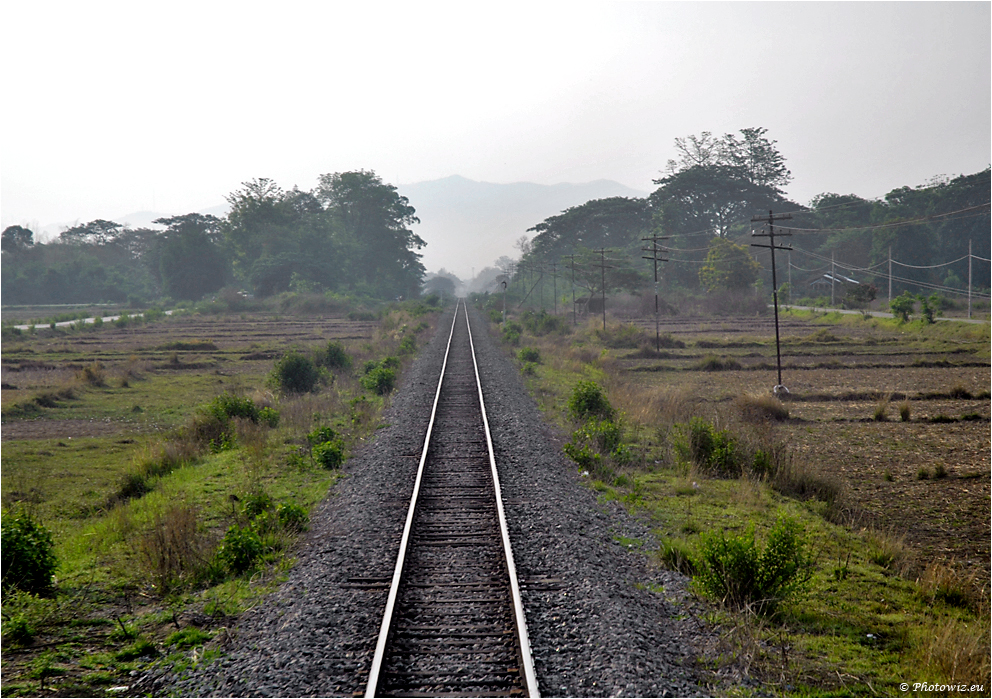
x: 380, y: 648
x: 523, y: 643
x: 530, y: 679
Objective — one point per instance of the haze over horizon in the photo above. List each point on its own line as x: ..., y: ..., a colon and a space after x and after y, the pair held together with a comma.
x: 117, y: 108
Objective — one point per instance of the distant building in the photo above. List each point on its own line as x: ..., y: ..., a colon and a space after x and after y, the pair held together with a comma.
x: 824, y: 283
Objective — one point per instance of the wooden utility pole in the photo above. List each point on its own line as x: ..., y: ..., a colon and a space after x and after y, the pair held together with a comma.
x: 572, y: 265
x: 554, y: 277
x: 654, y: 250
x: 770, y: 220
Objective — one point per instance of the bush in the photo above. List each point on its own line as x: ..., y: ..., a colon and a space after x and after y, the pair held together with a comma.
x: 334, y: 356
x: 380, y: 380
x: 588, y: 401
x: 296, y: 373
x: 623, y: 336
x: 292, y: 517
x: 28, y: 554
x: 321, y: 435
x: 902, y: 306
x: 529, y: 354
x: 227, y: 406
x: 268, y: 416
x: 713, y: 450
x: 239, y: 549
x: 544, y: 323
x: 735, y: 572
x: 329, y: 455
x: 511, y: 333
x: 408, y: 345
x: 256, y: 503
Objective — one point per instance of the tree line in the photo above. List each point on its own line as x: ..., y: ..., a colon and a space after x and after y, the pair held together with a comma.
x: 351, y: 234
x: 703, y: 206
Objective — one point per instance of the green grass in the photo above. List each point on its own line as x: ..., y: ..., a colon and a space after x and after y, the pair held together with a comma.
x: 861, y: 628
x: 107, y: 617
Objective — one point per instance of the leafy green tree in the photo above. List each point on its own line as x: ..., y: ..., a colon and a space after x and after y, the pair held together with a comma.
x: 902, y: 306
x: 374, y: 220
x: 98, y: 232
x: 615, y: 222
x: 16, y: 238
x: 728, y: 266
x: 191, y: 261
x: 711, y: 198
x: 272, y: 235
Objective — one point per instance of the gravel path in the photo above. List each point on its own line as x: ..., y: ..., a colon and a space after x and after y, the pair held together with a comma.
x: 594, y: 628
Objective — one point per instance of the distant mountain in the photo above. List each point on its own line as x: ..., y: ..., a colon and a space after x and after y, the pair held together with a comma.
x: 469, y: 224
x: 135, y: 219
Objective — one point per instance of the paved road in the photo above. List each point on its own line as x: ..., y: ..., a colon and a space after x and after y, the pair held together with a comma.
x: 876, y: 314
x: 67, y: 323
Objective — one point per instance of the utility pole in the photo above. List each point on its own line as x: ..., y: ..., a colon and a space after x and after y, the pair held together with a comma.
x: 890, y: 274
x: 654, y: 250
x: 554, y: 277
x: 771, y: 246
x: 602, y: 270
x: 572, y: 265
x: 969, y: 280
x: 831, y: 279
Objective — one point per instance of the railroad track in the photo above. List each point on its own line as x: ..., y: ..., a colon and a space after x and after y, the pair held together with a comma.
x: 454, y: 624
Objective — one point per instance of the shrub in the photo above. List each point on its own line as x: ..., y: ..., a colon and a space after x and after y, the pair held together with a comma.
x: 544, y: 323
x: 296, y: 373
x: 713, y: 450
x: 268, y: 416
x: 736, y: 572
x: 256, y: 503
x: 588, y: 400
x: 28, y: 554
x: 623, y: 336
x: 408, y: 345
x: 379, y: 380
x: 321, y: 435
x: 227, y: 406
x: 902, y: 306
x: 292, y: 517
x: 511, y: 333
x: 329, y: 455
x: 239, y: 549
x: 529, y: 354
x: 335, y: 356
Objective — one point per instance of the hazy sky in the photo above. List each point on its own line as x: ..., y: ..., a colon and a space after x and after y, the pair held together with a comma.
x: 115, y: 107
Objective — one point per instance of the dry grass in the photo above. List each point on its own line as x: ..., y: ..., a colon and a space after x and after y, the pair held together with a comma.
x: 761, y: 407
x: 890, y: 552
x: 174, y: 550
x: 944, y: 582
x: 93, y: 374
x: 905, y: 411
x: 882, y: 408
x: 956, y: 650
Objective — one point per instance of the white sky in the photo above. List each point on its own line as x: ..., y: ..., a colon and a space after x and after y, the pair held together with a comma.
x: 115, y: 107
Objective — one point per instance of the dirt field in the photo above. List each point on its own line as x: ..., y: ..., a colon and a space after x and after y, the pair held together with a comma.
x: 926, y: 479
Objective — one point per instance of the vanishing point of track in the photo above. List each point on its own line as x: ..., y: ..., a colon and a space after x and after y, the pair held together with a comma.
x: 454, y: 624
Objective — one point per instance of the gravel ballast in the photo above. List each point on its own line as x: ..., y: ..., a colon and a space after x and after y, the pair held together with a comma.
x: 595, y: 628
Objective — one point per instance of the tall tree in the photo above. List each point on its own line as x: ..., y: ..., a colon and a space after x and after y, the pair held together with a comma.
x: 615, y: 222
x: 16, y: 238
x: 190, y: 259
x: 374, y: 219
